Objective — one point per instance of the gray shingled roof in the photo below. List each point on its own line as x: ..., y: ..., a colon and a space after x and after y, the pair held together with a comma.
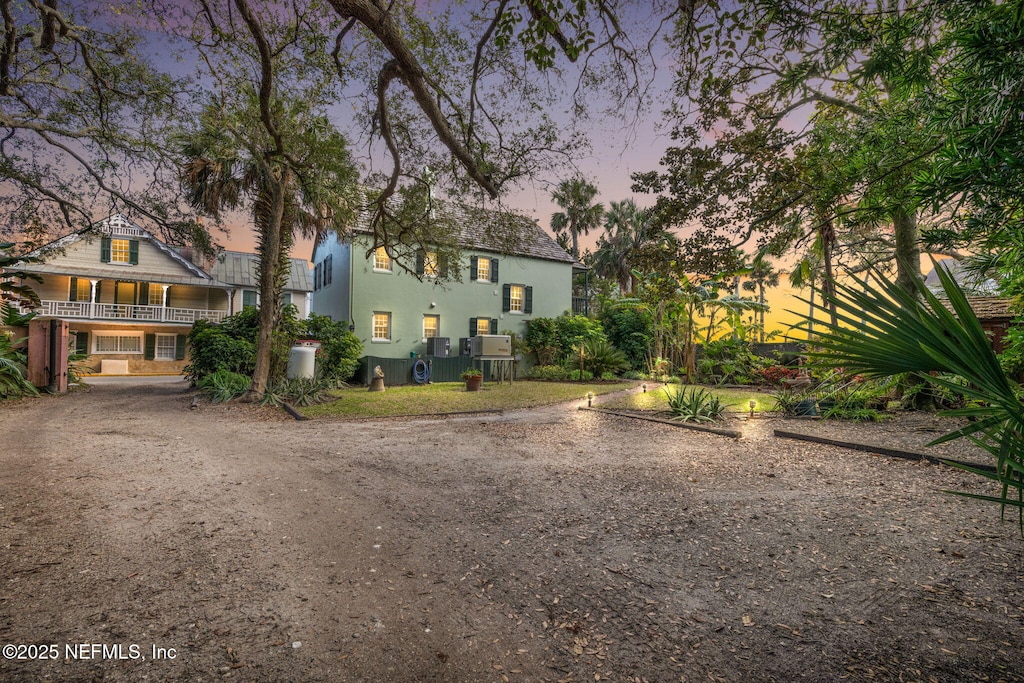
x: 493, y: 231
x: 240, y: 269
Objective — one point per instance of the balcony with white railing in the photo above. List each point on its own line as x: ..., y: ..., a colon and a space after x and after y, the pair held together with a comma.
x: 84, y: 310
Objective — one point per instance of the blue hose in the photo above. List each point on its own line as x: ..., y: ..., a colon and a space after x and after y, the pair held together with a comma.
x: 421, y: 372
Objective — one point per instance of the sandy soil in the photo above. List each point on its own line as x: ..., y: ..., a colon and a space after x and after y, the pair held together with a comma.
x: 546, y: 545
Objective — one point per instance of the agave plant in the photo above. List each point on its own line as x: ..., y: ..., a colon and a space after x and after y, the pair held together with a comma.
x: 885, y: 330
x: 694, y: 404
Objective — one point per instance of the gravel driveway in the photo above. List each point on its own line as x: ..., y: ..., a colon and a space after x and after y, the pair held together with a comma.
x: 144, y: 540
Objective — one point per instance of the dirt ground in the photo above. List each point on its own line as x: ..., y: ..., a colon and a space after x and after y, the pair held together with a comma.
x: 145, y: 540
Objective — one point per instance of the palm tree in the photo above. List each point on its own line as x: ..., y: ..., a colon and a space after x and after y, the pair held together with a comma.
x: 631, y: 241
x: 579, y: 215
x: 300, y: 179
x: 762, y: 276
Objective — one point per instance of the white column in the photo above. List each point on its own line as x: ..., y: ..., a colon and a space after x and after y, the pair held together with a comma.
x: 92, y: 298
x: 163, y: 302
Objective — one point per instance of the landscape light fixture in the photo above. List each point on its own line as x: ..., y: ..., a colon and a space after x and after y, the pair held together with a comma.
x: 645, y: 388
x: 752, y: 404
x: 590, y: 398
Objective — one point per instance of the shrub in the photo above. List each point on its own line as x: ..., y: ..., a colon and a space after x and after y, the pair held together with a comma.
x: 600, y: 357
x: 631, y: 330
x: 552, y: 373
x: 339, y: 352
x: 224, y: 385
x: 300, y: 391
x: 774, y: 375
x: 552, y: 340
x: 694, y: 404
x: 215, y: 349
x: 575, y: 376
x: 632, y: 374
x: 729, y: 360
x: 13, y: 369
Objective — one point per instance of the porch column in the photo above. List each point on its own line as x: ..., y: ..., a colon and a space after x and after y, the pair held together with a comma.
x: 163, y: 302
x: 92, y: 298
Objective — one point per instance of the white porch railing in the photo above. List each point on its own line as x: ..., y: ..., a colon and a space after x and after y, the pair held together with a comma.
x: 156, y: 314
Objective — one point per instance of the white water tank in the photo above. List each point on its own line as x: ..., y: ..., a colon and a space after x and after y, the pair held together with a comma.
x: 301, y: 362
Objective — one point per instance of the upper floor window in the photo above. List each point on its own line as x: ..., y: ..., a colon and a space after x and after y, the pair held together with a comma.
x: 381, y: 260
x: 517, y: 299
x: 119, y: 250
x: 430, y: 268
x: 483, y: 269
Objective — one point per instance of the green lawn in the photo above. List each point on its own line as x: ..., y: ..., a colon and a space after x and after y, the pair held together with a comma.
x: 452, y: 397
x: 737, y: 399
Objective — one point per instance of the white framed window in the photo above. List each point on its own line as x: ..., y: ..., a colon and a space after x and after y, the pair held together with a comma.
x: 431, y: 324
x: 515, y: 298
x: 156, y: 295
x: 166, y: 347
x: 120, y: 251
x: 381, y: 259
x: 483, y: 269
x: 125, y: 342
x: 483, y: 326
x: 381, y: 326
x: 430, y: 267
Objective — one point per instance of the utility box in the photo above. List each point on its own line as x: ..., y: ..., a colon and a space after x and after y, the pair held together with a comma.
x: 465, y: 346
x: 491, y: 345
x: 439, y: 346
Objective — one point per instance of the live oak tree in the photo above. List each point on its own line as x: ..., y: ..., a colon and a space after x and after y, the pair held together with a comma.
x: 761, y: 77
x: 82, y: 115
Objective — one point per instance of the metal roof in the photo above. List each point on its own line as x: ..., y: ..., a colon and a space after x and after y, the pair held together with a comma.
x: 241, y: 269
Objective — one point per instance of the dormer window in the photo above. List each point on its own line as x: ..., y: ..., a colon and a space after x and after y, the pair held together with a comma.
x: 119, y: 250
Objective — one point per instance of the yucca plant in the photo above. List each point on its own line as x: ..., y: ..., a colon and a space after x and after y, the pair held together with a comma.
x: 914, y: 332
x: 694, y: 404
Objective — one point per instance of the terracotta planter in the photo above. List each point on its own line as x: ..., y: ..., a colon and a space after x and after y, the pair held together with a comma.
x: 474, y: 383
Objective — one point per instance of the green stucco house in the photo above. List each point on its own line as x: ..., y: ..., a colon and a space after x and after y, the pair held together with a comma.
x: 507, y: 272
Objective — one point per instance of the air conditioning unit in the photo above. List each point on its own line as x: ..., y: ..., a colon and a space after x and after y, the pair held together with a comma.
x: 439, y: 346
x: 465, y: 346
x: 491, y: 345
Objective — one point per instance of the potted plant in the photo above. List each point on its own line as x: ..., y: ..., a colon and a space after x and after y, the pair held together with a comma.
x: 474, y: 378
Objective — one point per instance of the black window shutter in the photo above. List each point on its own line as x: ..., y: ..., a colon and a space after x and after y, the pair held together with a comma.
x: 442, y: 265
x: 494, y: 326
x: 98, y: 284
x: 150, y: 347
x: 472, y: 327
x: 105, y: 249
x: 528, y: 300
x: 421, y: 259
x: 472, y: 268
x: 82, y: 342
x: 179, y: 347
x: 133, y: 252
x: 494, y: 270
x: 73, y: 290
x: 506, y: 298
x: 143, y: 294
x: 316, y: 277
x: 328, y: 269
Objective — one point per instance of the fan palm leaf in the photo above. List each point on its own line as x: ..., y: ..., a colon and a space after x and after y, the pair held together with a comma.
x: 886, y: 330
